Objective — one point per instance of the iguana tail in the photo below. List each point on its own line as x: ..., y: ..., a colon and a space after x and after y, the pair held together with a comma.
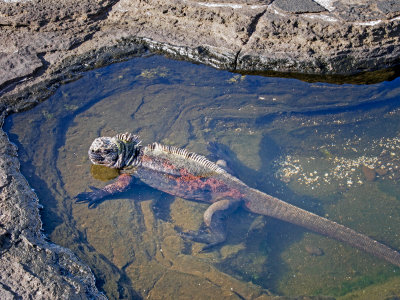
x: 264, y: 204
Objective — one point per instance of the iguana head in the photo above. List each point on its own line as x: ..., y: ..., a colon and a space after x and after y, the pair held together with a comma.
x: 115, y: 152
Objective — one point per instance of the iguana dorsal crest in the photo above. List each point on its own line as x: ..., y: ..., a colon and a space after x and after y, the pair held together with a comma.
x: 129, y: 138
x: 183, y: 153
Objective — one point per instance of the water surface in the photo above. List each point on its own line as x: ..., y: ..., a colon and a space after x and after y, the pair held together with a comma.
x: 331, y: 149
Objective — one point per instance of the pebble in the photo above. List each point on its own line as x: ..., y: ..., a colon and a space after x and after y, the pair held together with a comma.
x: 314, y: 250
x: 344, y: 171
x: 381, y: 171
x: 369, y: 173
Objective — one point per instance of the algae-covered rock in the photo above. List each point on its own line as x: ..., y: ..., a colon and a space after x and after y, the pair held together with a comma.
x: 103, y: 173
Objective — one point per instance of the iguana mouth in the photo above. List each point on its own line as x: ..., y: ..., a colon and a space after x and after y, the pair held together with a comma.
x: 95, y: 157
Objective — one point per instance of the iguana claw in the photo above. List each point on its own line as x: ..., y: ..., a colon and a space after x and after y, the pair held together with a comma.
x: 93, y: 198
x: 96, y: 196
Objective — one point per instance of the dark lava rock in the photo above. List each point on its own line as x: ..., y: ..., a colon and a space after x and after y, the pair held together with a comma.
x: 295, y: 6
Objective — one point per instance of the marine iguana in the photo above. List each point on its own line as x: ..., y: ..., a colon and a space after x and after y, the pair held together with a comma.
x: 191, y: 176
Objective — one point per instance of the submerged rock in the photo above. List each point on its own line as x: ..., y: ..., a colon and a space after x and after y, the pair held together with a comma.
x: 369, y: 173
x: 314, y: 250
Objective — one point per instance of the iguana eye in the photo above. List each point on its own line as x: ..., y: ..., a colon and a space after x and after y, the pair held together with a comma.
x: 107, y: 151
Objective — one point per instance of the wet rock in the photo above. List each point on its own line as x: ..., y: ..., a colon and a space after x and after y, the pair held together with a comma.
x: 293, y: 6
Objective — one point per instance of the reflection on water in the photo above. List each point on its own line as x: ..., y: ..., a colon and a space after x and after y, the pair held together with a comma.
x: 331, y: 149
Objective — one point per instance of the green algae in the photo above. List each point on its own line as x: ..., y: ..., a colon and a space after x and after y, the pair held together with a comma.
x: 236, y: 79
x: 388, y: 289
x: 132, y: 241
x: 153, y: 73
x: 71, y: 107
x: 47, y: 115
x: 103, y: 173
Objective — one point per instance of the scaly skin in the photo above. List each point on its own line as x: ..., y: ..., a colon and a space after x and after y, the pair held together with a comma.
x: 190, y: 176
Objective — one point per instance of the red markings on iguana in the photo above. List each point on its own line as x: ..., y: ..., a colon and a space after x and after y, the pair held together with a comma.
x: 120, y: 185
x: 189, y: 182
x: 168, y: 165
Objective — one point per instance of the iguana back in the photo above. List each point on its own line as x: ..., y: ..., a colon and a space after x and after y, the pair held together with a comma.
x: 186, y: 174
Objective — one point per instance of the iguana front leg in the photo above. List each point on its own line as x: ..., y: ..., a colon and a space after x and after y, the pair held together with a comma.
x: 96, y: 196
x: 214, y: 220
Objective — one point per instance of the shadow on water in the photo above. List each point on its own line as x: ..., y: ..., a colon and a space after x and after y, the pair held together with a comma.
x: 362, y: 78
x: 48, y: 210
x: 277, y: 235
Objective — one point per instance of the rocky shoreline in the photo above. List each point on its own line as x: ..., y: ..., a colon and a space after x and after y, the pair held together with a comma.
x: 47, y: 43
x: 31, y: 267
x: 44, y: 40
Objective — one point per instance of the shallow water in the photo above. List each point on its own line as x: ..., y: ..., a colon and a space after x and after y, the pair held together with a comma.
x: 331, y: 149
